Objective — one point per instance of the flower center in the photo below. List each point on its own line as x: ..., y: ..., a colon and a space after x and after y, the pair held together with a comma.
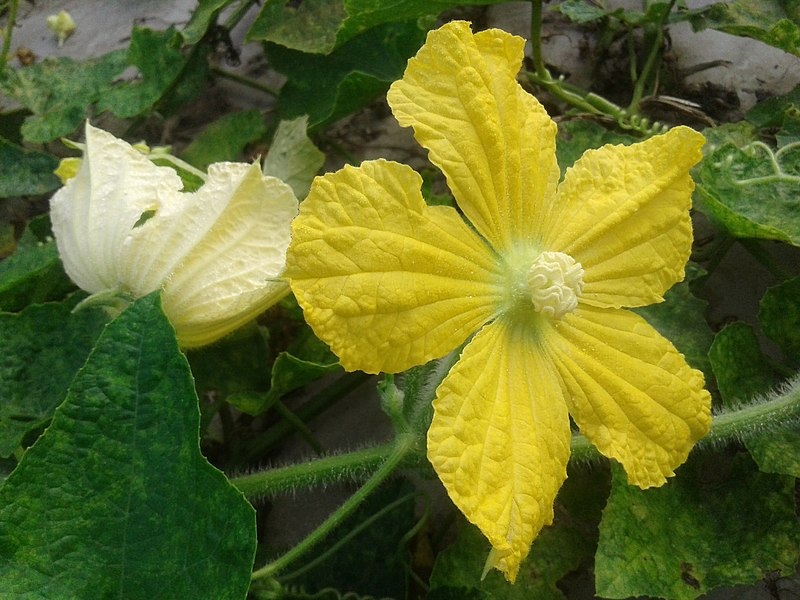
x: 555, y: 281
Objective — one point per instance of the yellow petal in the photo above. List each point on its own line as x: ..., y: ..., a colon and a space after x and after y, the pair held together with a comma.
x: 220, y: 250
x: 630, y: 391
x: 499, y: 439
x: 383, y: 279
x: 493, y: 141
x: 94, y: 213
x: 623, y: 213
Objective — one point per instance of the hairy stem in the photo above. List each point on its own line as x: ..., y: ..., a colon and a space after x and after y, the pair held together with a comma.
x: 402, y: 447
x: 738, y: 424
x: 319, y: 472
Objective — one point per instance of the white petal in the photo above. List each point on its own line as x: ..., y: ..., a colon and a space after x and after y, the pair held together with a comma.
x: 228, y: 243
x: 95, y: 211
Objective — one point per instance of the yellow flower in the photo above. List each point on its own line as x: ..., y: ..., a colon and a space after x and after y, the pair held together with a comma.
x: 122, y: 223
x: 543, y: 275
x: 63, y: 25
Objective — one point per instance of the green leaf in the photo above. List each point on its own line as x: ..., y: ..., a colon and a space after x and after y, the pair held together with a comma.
x: 777, y: 452
x: 235, y: 363
x: 740, y: 368
x: 748, y: 188
x: 558, y: 550
x: 554, y: 554
x: 290, y: 373
x: 33, y: 273
x: 310, y: 27
x: 779, y: 315
x: 770, y: 112
x: 576, y: 137
x: 774, y: 22
x: 166, y: 75
x: 205, y: 12
x: 327, y: 88
x: 681, y: 319
x: 789, y: 132
x: 293, y: 157
x: 715, y: 525
x: 42, y: 349
x: 308, y: 360
x: 225, y: 139
x: 580, y: 11
x: 26, y: 173
x: 319, y: 26
x: 115, y: 499
x: 59, y: 92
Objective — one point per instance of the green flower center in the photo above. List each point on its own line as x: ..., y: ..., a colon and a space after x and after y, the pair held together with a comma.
x: 555, y: 282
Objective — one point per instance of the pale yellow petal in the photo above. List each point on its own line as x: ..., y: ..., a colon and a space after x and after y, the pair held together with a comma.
x: 221, y: 249
x: 383, y: 279
x: 630, y: 391
x: 499, y: 439
x: 95, y: 212
x: 493, y: 141
x: 623, y: 213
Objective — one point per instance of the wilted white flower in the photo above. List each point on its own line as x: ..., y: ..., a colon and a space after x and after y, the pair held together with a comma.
x: 123, y: 223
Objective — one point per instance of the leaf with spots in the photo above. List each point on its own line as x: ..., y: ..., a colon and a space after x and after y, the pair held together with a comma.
x: 721, y: 522
x: 115, y: 499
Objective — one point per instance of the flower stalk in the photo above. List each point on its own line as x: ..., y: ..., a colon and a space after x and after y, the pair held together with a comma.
x: 401, y: 448
x: 11, y: 19
x: 737, y: 424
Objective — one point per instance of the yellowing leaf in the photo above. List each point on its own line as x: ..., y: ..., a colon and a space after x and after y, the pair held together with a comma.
x: 499, y: 439
x: 385, y: 280
x: 493, y: 141
x: 630, y: 391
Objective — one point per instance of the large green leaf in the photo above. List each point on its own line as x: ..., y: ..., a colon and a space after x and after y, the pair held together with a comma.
x: 293, y: 157
x: 739, y: 366
x: 319, y: 26
x: 774, y: 22
x: 225, y: 139
x: 115, y: 499
x: 33, y: 273
x: 41, y: 349
x: 681, y: 319
x: 25, y: 173
x: 167, y: 76
x: 748, y: 188
x: 777, y: 451
x: 59, y: 91
x: 779, y: 315
x: 327, y: 88
x: 715, y: 525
